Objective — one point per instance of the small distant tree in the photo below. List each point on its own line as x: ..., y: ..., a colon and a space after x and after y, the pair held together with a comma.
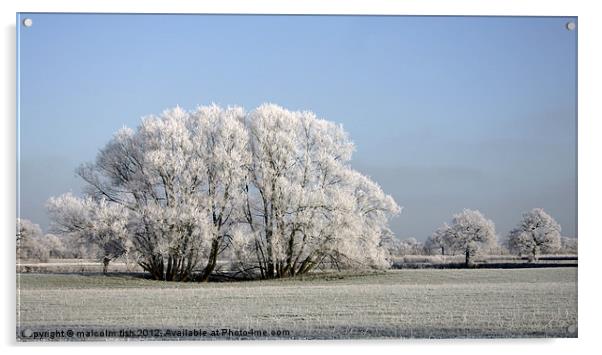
x: 92, y: 222
x: 536, y: 233
x: 469, y: 232
x: 29, y: 245
x: 438, y: 243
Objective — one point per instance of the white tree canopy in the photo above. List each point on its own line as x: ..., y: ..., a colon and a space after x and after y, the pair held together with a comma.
x: 468, y: 232
x: 536, y: 233
x: 305, y: 205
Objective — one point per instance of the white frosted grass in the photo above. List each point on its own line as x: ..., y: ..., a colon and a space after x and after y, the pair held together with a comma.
x: 408, y: 303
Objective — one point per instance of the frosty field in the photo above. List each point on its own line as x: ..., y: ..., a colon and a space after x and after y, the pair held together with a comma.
x: 401, y: 303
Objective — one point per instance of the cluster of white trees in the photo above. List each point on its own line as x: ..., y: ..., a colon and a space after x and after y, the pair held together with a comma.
x: 470, y: 232
x: 273, y: 187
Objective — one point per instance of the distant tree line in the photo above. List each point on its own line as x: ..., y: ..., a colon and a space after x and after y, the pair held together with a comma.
x: 470, y: 233
x: 34, y: 246
x: 536, y: 234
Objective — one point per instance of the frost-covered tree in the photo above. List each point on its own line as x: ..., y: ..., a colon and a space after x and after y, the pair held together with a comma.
x: 92, y: 222
x: 33, y: 245
x: 29, y: 245
x: 438, y: 241
x: 536, y: 233
x: 181, y: 177
x: 305, y: 206
x: 468, y: 232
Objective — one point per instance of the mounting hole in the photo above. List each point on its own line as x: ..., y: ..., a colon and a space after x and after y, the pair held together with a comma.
x: 27, y: 22
x: 571, y: 25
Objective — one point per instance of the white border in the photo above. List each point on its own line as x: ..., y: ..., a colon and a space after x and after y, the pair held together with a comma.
x: 589, y: 163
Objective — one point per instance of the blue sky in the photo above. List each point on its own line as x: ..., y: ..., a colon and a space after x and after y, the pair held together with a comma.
x: 446, y: 112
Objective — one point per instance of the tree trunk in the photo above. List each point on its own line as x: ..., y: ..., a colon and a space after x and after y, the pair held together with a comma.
x: 306, y: 266
x: 211, y: 262
x: 288, y: 269
x: 105, y: 265
x: 467, y: 258
x: 154, y: 266
x: 169, y: 271
x: 270, y: 268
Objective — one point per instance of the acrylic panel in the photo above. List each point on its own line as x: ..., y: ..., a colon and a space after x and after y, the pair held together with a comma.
x: 242, y: 177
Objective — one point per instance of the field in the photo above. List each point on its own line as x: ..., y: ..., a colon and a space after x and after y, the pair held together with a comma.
x: 423, y: 303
